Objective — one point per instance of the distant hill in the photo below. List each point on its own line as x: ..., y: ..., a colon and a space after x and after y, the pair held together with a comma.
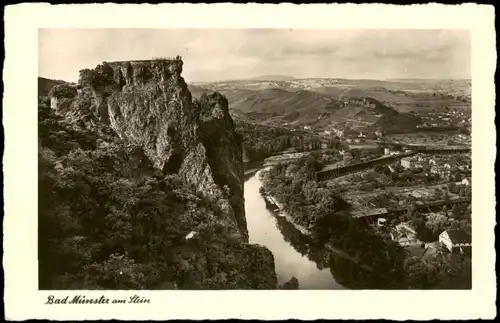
x: 276, y: 105
x: 197, y: 91
x: 273, y: 78
x: 321, y: 102
x: 45, y: 84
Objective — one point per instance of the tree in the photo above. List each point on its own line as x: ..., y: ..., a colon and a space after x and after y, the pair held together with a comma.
x: 438, y: 192
x: 457, y: 212
x: 412, y: 210
x: 293, y: 283
x: 61, y: 91
x: 371, y: 176
x: 446, y: 197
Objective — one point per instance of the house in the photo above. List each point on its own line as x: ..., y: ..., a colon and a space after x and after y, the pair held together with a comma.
x: 338, y: 132
x: 327, y: 133
x: 381, y: 222
x: 467, y: 181
x: 442, y: 171
x: 456, y: 240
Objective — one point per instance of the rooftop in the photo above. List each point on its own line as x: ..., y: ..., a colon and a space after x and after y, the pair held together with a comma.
x: 459, y: 236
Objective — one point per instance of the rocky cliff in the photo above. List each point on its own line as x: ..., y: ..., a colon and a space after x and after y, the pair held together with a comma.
x: 147, y: 104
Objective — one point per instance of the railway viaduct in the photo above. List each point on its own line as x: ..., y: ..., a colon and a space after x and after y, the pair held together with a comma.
x: 331, y: 173
x: 419, y: 207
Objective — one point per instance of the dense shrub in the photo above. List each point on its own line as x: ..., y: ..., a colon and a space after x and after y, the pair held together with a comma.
x: 109, y: 220
x: 63, y: 91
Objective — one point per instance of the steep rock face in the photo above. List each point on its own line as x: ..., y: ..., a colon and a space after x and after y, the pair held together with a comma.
x: 148, y: 104
x: 224, y: 150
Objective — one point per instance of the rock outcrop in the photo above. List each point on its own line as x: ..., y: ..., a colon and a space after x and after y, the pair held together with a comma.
x: 148, y: 104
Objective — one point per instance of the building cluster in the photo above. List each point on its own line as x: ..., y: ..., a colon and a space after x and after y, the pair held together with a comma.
x: 444, y: 167
x: 358, y: 101
x: 454, y: 240
x: 444, y: 119
x: 443, y: 171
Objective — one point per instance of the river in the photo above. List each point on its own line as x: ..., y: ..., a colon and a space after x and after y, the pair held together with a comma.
x: 277, y: 235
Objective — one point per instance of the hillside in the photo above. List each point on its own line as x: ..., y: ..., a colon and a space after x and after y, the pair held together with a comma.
x: 141, y: 187
x: 402, y: 95
x: 279, y: 107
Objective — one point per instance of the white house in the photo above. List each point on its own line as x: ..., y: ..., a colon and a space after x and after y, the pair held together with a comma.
x: 455, y: 240
x: 338, y: 132
x: 381, y: 222
x: 467, y: 181
x: 327, y: 132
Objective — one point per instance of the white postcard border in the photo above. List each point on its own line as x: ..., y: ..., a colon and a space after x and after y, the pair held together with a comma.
x: 24, y: 301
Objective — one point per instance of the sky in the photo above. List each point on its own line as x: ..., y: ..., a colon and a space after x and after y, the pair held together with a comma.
x: 227, y: 54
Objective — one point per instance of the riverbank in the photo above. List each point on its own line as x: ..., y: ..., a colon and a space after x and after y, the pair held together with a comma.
x: 291, y: 260
x: 308, y: 233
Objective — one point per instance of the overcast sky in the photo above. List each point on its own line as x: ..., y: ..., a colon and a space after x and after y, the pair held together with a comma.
x: 222, y: 54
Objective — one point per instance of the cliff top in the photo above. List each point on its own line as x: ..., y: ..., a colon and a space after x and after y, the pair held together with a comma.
x: 155, y: 59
